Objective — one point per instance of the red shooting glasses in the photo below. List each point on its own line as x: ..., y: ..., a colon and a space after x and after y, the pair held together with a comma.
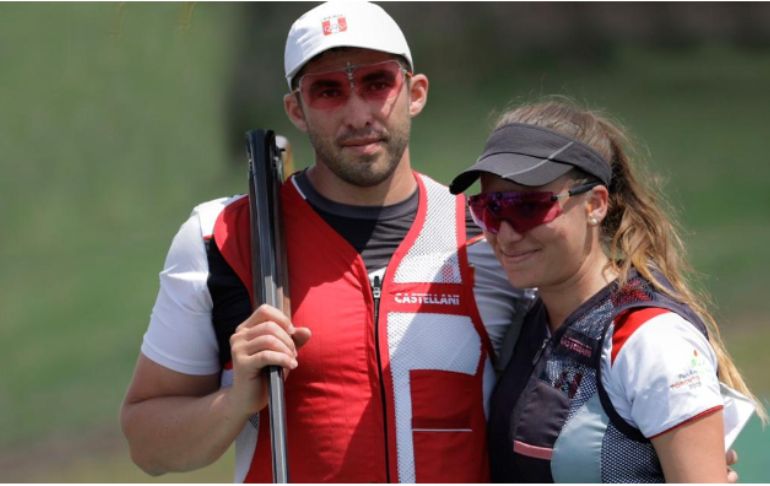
x: 522, y: 210
x: 375, y: 83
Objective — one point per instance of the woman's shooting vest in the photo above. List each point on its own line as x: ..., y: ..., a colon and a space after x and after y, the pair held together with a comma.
x: 563, y: 427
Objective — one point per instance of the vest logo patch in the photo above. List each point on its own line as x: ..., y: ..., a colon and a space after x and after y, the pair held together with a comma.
x: 425, y: 298
x: 576, y: 346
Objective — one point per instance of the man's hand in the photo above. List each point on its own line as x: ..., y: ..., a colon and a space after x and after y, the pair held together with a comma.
x: 732, y: 458
x: 266, y: 338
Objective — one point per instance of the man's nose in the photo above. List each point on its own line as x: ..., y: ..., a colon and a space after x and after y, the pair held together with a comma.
x: 358, y: 111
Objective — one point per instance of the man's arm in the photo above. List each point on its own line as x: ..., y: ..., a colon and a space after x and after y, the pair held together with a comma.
x: 178, y: 422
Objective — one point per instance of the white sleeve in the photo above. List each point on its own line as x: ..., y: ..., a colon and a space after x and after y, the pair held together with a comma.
x: 663, y: 375
x: 180, y: 335
x: 498, y: 302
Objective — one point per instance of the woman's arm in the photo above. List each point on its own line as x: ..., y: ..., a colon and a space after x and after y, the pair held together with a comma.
x: 694, y: 452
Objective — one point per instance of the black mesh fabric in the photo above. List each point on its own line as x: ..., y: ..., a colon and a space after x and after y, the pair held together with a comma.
x: 627, y: 461
x: 573, y: 373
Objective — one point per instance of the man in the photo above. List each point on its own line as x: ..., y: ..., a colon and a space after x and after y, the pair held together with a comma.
x: 405, y: 314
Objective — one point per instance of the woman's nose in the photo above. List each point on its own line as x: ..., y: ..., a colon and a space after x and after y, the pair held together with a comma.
x: 507, y: 233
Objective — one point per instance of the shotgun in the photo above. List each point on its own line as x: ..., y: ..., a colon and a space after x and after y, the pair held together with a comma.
x: 269, y: 267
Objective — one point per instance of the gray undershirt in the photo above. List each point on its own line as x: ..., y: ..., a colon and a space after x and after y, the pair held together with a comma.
x: 373, y: 231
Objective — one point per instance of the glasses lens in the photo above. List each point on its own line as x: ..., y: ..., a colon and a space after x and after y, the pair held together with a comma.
x: 377, y: 83
x: 484, y: 218
x: 522, y: 210
x: 325, y: 90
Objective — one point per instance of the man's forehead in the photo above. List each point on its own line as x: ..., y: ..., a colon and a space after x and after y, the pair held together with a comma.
x: 338, y: 59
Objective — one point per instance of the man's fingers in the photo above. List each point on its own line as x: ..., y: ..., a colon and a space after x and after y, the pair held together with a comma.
x: 301, y: 336
x: 268, y: 328
x: 731, y: 457
x: 269, y: 313
x: 266, y: 342
x: 271, y: 358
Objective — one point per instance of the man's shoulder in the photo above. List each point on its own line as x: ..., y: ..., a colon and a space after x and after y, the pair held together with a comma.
x: 218, y: 204
x: 206, y: 213
x: 431, y: 182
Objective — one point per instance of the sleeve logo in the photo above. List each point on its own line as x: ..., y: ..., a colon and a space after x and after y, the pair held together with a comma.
x: 691, y: 379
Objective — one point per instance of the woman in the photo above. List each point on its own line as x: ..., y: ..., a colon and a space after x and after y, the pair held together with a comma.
x: 616, y: 373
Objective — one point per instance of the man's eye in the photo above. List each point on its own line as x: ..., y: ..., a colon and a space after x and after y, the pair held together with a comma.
x: 378, y: 84
x: 329, y: 93
x: 326, y: 89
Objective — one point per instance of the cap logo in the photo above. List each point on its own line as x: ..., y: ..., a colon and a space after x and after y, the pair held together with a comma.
x: 334, y: 25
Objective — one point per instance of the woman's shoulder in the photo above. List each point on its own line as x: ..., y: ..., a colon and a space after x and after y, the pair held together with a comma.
x: 653, y: 327
x: 659, y: 370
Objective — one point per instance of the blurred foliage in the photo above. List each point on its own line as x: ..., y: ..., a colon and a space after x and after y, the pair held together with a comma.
x: 118, y: 118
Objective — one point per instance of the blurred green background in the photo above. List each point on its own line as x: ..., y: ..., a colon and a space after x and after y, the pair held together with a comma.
x: 116, y: 119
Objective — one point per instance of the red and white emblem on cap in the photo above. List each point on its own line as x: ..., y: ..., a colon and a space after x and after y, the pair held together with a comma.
x: 334, y: 25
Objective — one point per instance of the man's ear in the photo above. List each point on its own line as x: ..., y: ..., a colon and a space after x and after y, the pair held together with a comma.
x: 293, y: 108
x: 418, y: 94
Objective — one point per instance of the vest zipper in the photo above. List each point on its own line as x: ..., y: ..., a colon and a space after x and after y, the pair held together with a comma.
x: 540, y: 351
x: 376, y: 293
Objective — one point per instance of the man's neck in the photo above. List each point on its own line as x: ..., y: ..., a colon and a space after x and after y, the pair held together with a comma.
x: 396, y: 188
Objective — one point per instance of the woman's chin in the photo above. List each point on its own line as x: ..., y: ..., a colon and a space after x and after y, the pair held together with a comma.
x: 520, y: 279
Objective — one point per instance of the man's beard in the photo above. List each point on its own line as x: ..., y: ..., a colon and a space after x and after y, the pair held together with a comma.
x: 364, y: 170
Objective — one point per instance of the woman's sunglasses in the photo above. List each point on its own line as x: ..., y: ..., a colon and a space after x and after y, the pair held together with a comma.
x: 522, y: 210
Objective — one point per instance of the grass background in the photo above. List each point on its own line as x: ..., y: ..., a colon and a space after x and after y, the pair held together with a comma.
x: 114, y: 125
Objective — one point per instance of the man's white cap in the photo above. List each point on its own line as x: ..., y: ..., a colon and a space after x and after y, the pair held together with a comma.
x: 342, y: 23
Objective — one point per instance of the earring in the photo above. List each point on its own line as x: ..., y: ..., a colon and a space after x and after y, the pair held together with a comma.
x: 593, y: 221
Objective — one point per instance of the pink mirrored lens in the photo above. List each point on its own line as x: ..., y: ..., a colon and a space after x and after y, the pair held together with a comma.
x: 372, y: 82
x: 522, y: 210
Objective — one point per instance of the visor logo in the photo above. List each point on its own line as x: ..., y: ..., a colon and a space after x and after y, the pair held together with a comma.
x: 334, y: 25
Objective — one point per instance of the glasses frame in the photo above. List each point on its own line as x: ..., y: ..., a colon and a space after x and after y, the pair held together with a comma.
x: 575, y: 190
x: 580, y: 188
x: 349, y: 69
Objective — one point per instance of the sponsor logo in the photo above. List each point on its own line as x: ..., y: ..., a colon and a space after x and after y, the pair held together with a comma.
x: 574, y: 345
x: 334, y: 25
x: 424, y: 298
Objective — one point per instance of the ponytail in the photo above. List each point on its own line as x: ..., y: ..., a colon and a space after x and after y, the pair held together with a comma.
x: 638, y: 231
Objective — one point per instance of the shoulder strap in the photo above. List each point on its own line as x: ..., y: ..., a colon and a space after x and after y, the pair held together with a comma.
x: 232, y: 237
x: 620, y: 423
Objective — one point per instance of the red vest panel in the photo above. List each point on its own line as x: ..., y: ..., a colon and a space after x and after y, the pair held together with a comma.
x: 429, y: 424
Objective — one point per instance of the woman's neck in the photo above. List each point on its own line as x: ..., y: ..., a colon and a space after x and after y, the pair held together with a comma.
x: 564, y: 298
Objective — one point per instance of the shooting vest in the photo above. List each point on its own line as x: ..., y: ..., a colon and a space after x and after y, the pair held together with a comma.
x: 393, y: 383
x: 563, y: 427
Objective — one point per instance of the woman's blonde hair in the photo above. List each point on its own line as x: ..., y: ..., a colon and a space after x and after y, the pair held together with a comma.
x: 638, y: 231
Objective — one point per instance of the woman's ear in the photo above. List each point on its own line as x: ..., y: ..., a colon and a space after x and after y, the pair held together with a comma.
x: 597, y: 204
x: 293, y: 107
x: 418, y: 94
